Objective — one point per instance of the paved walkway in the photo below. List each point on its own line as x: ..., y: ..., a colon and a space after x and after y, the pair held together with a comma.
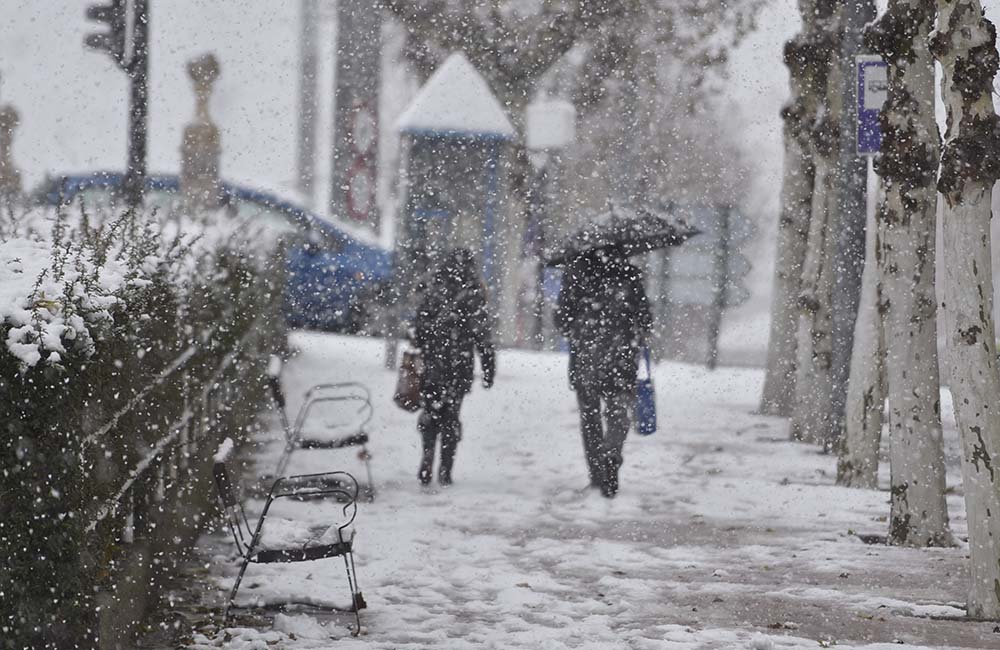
x: 725, y: 535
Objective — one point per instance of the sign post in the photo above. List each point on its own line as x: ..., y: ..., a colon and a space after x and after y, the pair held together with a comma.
x: 860, y: 139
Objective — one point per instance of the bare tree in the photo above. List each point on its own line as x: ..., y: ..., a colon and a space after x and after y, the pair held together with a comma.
x: 517, y: 43
x: 513, y: 48
x: 965, y: 45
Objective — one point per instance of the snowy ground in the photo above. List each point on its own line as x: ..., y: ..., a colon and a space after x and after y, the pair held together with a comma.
x: 724, y: 535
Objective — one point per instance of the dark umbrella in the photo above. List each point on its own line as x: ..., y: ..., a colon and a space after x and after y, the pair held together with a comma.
x: 626, y: 232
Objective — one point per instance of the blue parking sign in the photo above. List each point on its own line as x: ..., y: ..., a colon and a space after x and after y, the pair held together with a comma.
x: 873, y: 82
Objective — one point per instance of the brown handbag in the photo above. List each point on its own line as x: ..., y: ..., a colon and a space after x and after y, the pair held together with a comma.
x: 407, y: 395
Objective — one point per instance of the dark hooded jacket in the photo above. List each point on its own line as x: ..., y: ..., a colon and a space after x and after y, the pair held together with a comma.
x: 451, y: 322
x: 604, y: 313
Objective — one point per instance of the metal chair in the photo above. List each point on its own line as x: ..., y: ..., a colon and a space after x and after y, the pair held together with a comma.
x: 322, y: 542
x: 320, y: 394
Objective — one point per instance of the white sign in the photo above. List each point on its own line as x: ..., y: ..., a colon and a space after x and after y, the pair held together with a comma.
x: 876, y: 87
x: 549, y: 124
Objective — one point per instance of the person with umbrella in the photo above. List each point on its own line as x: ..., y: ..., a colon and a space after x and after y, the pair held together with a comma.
x: 604, y: 313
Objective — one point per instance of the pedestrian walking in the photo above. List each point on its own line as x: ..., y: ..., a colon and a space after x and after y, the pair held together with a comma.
x: 450, y: 325
x: 604, y: 313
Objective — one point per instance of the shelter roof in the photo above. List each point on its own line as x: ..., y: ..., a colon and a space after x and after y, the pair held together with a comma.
x: 456, y: 101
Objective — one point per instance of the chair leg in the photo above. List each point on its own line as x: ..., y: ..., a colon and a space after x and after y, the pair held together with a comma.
x: 368, y: 470
x: 236, y: 588
x: 357, y: 600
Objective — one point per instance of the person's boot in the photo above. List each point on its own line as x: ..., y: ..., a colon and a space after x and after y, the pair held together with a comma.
x: 426, y: 466
x: 609, y: 487
x: 448, y: 448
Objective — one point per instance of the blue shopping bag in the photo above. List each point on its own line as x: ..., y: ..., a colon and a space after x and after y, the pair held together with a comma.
x: 645, y: 401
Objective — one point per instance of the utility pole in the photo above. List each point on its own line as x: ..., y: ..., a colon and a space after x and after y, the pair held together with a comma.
x: 852, y: 180
x: 627, y: 169
x: 138, y: 71
x: 307, y: 100
x: 537, y: 226
x: 550, y: 127
x: 127, y: 42
x: 721, y: 284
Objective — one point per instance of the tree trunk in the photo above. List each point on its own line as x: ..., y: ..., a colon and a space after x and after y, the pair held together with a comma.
x: 812, y: 380
x: 811, y: 418
x: 849, y: 225
x: 906, y: 219
x: 858, y: 462
x: 793, y: 231
x: 965, y: 45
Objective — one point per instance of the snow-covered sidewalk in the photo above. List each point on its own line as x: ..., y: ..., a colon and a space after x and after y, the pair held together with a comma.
x: 724, y: 535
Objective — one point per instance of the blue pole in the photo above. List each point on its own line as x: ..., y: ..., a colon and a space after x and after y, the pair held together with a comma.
x: 489, y: 219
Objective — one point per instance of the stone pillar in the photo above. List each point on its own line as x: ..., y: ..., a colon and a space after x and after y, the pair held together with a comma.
x: 201, y: 148
x: 10, y: 177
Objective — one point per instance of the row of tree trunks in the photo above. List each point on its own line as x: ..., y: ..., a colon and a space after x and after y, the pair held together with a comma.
x: 965, y: 46
x: 895, y: 353
x: 906, y: 263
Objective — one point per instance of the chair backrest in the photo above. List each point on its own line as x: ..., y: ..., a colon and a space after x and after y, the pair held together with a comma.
x: 355, y: 393
x: 339, y: 484
x: 349, y: 391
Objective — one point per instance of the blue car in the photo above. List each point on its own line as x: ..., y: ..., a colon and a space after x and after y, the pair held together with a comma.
x: 335, y: 282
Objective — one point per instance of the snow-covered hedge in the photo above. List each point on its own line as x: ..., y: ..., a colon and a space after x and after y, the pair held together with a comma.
x: 130, y: 343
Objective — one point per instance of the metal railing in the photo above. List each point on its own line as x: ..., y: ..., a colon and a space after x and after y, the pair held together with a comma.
x: 168, y: 460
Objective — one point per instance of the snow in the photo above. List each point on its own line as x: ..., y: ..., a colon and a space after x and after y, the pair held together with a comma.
x: 724, y: 535
x: 302, y: 627
x: 274, y: 366
x: 43, y: 310
x: 279, y: 533
x: 224, y: 452
x: 76, y: 121
x: 77, y: 96
x: 456, y: 100
x: 53, y: 296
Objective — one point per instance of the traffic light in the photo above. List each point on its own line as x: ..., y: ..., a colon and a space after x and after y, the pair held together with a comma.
x: 111, y: 41
x: 126, y: 40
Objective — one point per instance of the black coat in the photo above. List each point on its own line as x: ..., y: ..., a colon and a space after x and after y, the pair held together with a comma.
x: 451, y: 322
x: 604, y: 312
